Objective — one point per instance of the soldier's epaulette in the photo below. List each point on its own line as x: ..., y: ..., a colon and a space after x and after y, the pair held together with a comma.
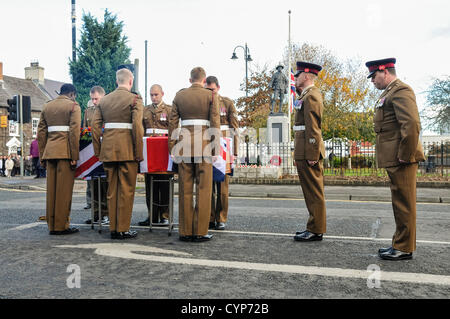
x: 227, y: 99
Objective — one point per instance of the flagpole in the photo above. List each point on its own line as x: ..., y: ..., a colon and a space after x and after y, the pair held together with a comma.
x: 289, y: 77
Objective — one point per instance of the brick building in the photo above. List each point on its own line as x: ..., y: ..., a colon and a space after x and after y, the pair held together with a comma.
x: 40, y: 90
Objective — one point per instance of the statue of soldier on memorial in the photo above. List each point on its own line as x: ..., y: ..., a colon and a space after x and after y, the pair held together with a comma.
x: 279, y: 84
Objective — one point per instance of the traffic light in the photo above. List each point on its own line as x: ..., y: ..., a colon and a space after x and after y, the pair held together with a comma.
x: 13, y: 108
x: 26, y: 107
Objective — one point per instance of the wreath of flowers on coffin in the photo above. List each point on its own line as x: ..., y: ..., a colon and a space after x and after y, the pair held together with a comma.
x: 86, y: 134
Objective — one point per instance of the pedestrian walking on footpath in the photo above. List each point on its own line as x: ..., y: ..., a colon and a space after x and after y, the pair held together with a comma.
x: 9, y: 166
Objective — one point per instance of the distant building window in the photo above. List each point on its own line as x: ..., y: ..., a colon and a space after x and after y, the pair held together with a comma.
x: 34, y: 128
x: 13, y: 128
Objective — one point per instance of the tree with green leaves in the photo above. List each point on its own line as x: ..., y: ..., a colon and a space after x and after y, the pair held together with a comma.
x: 438, y: 110
x: 102, y: 48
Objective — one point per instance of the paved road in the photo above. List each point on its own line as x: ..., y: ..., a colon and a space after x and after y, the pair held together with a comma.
x: 370, y: 193
x: 254, y: 258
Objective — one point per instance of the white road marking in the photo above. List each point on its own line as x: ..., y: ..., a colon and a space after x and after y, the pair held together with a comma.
x: 325, y: 237
x: 27, y: 226
x: 106, y: 227
x: 21, y: 190
x: 131, y: 252
x: 336, y: 200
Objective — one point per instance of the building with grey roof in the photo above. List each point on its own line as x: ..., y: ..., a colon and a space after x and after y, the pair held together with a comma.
x: 39, y: 89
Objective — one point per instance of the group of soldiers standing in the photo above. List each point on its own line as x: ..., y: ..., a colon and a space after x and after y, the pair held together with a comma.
x: 398, y: 148
x: 119, y: 121
x: 194, y: 124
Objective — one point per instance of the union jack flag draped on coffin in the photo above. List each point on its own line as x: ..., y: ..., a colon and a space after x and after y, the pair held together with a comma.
x: 88, y: 165
x: 224, y: 163
x: 156, y: 155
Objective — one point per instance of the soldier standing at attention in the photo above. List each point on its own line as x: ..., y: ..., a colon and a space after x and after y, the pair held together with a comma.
x: 310, y: 150
x: 59, y: 142
x: 96, y: 94
x: 197, y: 110
x: 229, y: 127
x: 120, y: 150
x: 397, y: 125
x: 156, y: 123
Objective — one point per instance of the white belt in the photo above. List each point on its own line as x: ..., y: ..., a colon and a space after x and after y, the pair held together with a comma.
x: 156, y: 131
x: 195, y: 122
x: 58, y: 129
x: 224, y: 127
x: 128, y: 126
x: 299, y: 128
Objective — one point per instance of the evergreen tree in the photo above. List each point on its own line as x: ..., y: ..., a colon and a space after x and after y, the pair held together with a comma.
x: 102, y: 48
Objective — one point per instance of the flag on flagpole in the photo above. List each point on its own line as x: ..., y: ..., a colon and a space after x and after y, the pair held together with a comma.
x: 88, y: 165
x: 292, y: 91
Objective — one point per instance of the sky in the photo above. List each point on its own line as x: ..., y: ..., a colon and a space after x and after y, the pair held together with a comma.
x: 184, y: 34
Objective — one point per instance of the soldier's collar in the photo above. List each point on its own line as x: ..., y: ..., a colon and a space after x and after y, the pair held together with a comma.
x: 156, y: 106
x: 122, y: 88
x: 390, y: 85
x: 306, y: 90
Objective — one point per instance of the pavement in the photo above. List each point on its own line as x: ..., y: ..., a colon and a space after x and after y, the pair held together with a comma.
x: 332, y: 192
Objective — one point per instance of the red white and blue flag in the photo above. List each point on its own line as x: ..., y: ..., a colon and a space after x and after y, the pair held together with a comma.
x: 223, y: 165
x: 156, y: 155
x: 292, y: 91
x: 88, y: 165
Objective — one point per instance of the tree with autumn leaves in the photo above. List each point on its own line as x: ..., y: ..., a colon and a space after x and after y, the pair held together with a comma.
x: 349, y: 97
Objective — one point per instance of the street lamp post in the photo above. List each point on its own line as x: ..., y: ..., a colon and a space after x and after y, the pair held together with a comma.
x: 247, y: 59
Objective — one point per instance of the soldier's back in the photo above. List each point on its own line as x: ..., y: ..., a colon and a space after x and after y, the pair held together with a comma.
x: 116, y: 111
x: 57, y: 115
x: 194, y: 102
